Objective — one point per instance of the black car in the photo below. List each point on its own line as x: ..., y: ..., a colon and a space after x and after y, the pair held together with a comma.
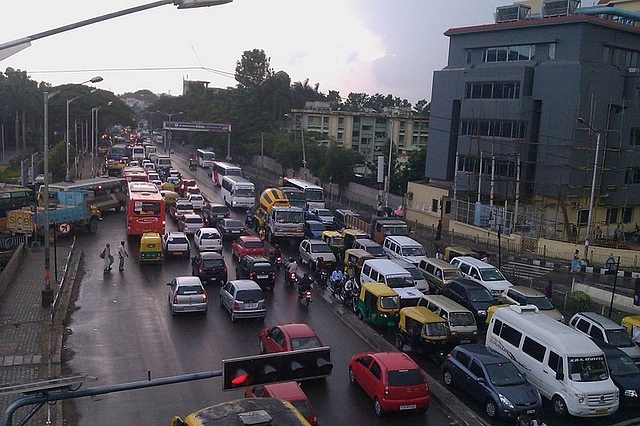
x: 231, y: 229
x: 472, y: 295
x: 214, y: 213
x: 209, y: 266
x: 492, y: 379
x: 258, y: 269
x: 624, y: 373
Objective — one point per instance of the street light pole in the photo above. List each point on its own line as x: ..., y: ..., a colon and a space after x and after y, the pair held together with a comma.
x: 68, y: 139
x: 593, y: 188
x: 168, y: 131
x: 47, y: 293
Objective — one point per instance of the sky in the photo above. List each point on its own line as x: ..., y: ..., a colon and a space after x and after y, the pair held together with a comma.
x: 365, y: 46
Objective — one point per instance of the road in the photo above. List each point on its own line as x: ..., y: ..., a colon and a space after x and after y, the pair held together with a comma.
x: 122, y: 331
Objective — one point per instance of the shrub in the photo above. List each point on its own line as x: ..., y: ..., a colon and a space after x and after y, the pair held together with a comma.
x: 580, y: 301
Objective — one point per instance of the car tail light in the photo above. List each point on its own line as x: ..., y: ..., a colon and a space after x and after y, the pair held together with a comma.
x: 386, y: 390
x: 236, y: 306
x: 204, y: 299
x: 201, y: 268
x: 264, y: 304
x: 224, y: 267
x: 175, y: 298
x: 251, y: 276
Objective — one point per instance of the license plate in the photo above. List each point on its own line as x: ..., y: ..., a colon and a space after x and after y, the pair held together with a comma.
x: 531, y: 411
x: 462, y: 341
x: 191, y: 308
x: 251, y: 305
x: 601, y: 410
x: 235, y: 232
x: 408, y: 407
x: 263, y: 277
x: 177, y: 253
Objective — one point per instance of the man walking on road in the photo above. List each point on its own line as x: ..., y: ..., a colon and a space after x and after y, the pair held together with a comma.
x: 122, y: 253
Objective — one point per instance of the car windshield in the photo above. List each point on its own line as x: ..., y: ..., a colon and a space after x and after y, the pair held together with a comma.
x: 289, y: 217
x: 253, y: 295
x: 491, y: 274
x: 619, y: 338
x: 400, y: 282
x: 415, y: 273
x: 213, y: 263
x: 480, y: 295
x: 303, y: 407
x: 452, y: 274
x: 390, y: 302
x: 461, y: 319
x: 185, y: 290
x: 435, y: 329
x: 541, y: 302
x: 406, y: 377
x: 413, y: 251
x: 305, y: 343
x: 376, y: 251
x: 253, y: 244
x: 320, y: 248
x: 587, y: 369
x: 621, y: 364
x: 317, y: 226
x: 504, y: 374
x: 324, y: 213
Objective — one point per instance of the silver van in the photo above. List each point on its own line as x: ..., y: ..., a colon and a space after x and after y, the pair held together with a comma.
x: 418, y: 277
x: 438, y: 273
x: 404, y: 248
x: 460, y: 321
x: 371, y: 247
x: 484, y: 273
x: 394, y: 276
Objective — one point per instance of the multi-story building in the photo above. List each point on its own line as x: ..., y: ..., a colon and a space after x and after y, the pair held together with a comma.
x: 524, y: 108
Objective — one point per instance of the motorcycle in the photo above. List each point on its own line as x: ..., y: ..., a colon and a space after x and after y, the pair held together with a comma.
x: 322, y: 279
x: 337, y: 289
x: 305, y: 297
x: 351, y: 296
x: 277, y: 262
x: 292, y: 279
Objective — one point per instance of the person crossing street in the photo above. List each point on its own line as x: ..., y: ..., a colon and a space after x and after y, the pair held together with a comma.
x: 122, y: 253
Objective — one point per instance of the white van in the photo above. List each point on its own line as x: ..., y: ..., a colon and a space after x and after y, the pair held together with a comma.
x: 394, y: 276
x: 566, y: 366
x: 462, y: 325
x: 137, y: 153
x: 404, y: 248
x: 482, y: 272
x: 418, y: 277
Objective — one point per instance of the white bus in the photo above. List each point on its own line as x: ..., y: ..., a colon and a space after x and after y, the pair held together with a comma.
x: 107, y: 193
x: 238, y: 192
x: 221, y: 169
x: 314, y: 194
x: 205, y: 158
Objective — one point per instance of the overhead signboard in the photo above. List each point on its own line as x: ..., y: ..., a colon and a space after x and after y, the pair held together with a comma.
x: 197, y: 126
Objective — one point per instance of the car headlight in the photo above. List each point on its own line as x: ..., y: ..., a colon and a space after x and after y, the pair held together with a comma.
x: 506, y: 402
x: 631, y: 393
x: 482, y: 313
x: 580, y: 397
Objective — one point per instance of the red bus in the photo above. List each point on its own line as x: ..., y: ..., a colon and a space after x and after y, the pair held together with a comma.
x: 135, y: 174
x: 145, y: 209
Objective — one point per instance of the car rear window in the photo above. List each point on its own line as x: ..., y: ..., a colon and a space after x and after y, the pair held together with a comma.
x: 233, y: 224
x: 263, y: 267
x: 213, y: 263
x: 219, y: 210
x: 249, y: 295
x: 193, y: 220
x: 186, y: 290
x: 254, y: 244
x: 178, y: 240
x: 210, y: 236
x: 184, y: 206
x: 305, y: 343
x: 320, y: 248
x: 405, y: 377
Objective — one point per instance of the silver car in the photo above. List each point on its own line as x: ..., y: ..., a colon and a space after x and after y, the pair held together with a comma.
x: 187, y: 294
x: 207, y: 239
x: 311, y: 250
x: 243, y: 299
x: 190, y: 223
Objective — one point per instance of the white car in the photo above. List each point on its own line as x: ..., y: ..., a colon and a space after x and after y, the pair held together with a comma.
x: 311, y: 250
x: 175, y: 243
x: 197, y: 200
x: 208, y: 239
x: 325, y: 216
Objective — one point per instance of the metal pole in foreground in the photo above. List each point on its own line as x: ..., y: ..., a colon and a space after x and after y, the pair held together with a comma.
x: 47, y: 293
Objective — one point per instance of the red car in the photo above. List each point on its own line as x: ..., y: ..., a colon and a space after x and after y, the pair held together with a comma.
x: 392, y: 379
x: 288, y: 337
x: 183, y: 185
x: 289, y: 391
x: 248, y: 244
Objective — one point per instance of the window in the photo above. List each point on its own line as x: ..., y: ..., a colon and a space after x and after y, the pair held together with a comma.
x: 511, y: 335
x: 534, y: 349
x: 463, y: 358
x: 493, y: 90
x: 476, y: 370
x: 632, y: 175
x: 627, y: 214
x: 510, y: 53
x: 583, y: 326
x: 634, y: 137
x: 596, y: 333
x: 555, y: 362
x: 612, y: 215
x: 375, y: 370
x: 552, y: 51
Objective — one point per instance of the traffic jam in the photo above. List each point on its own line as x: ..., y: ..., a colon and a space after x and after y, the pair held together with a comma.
x: 504, y: 345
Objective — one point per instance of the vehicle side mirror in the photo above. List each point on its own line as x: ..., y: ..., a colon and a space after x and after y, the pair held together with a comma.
x: 168, y: 283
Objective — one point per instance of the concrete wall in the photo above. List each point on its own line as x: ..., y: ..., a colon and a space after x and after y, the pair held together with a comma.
x: 603, y: 297
x: 9, y: 272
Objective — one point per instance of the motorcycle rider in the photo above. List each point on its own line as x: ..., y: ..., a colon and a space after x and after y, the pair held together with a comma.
x: 351, y: 292
x: 336, y: 279
x: 304, y: 284
x: 276, y: 253
x: 292, y: 266
x: 350, y: 270
x: 317, y: 276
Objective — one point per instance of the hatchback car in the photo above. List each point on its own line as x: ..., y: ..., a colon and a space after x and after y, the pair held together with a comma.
x: 243, y: 299
x: 209, y: 266
x: 183, y: 185
x: 190, y: 223
x: 492, y: 379
x: 175, y: 243
x: 208, y: 239
x: 288, y: 337
x: 180, y: 208
x: 187, y: 294
x: 311, y: 250
x: 213, y: 213
x: 231, y: 228
x: 288, y: 391
x: 313, y: 229
x: 258, y: 269
x: 522, y: 295
x: 392, y: 379
x: 248, y: 245
x: 197, y: 200
x: 472, y: 295
x: 325, y: 216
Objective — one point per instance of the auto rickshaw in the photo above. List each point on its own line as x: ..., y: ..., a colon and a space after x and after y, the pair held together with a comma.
x: 150, y: 247
x: 422, y: 330
x: 632, y: 323
x: 356, y: 257
x: 335, y: 241
x: 491, y: 310
x: 378, y: 304
x: 192, y: 164
x: 168, y: 186
x: 170, y: 197
x: 349, y: 235
x: 455, y: 251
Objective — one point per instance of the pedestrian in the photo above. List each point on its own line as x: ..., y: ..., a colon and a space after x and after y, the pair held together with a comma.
x: 106, y: 257
x: 122, y: 253
x: 575, y: 262
x: 439, y: 255
x: 523, y: 420
x: 598, y: 233
x: 548, y: 290
x: 439, y: 230
x: 538, y: 421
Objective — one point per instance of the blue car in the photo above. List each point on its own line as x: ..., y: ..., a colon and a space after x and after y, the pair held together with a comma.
x: 313, y: 229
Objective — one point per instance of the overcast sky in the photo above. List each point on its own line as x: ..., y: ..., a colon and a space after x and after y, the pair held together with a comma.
x: 370, y: 46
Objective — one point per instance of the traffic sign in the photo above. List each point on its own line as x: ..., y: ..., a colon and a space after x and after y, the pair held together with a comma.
x: 610, y: 263
x: 64, y: 228
x: 196, y: 126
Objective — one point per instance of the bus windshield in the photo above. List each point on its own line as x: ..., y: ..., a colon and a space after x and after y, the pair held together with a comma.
x: 314, y: 194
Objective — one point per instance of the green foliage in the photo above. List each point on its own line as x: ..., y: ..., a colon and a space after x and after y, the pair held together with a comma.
x: 412, y: 170
x: 579, y: 301
x: 253, y: 69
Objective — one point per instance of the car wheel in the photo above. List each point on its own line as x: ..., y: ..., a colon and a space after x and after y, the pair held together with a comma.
x: 377, y: 407
x: 558, y: 406
x: 352, y: 377
x: 447, y: 377
x: 233, y: 317
x: 221, y: 304
x: 491, y: 409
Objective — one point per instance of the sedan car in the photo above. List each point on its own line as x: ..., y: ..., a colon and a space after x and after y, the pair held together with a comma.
x: 175, y: 243
x: 325, y: 216
x: 180, y: 208
x: 288, y: 337
x: 288, y: 391
x: 392, y: 379
x: 243, y: 299
x: 231, y: 228
x: 248, y: 245
x: 492, y: 379
x: 311, y: 250
x: 197, y: 200
x: 190, y: 223
x: 207, y: 239
x: 209, y: 266
x: 313, y: 229
x: 187, y: 294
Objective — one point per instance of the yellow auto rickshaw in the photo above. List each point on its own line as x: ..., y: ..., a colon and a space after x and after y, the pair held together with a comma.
x: 356, y: 257
x: 632, y: 323
x: 335, y: 241
x: 349, y: 235
x: 169, y: 197
x: 492, y: 309
x: 456, y: 251
x: 168, y: 186
x: 422, y: 330
x: 150, y: 247
x: 378, y: 304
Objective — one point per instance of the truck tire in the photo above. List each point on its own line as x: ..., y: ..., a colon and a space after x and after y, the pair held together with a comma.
x: 92, y: 226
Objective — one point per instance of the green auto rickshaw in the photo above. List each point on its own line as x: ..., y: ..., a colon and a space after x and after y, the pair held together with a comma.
x: 354, y: 258
x: 378, y: 304
x: 150, y: 247
x: 422, y: 330
x: 349, y: 235
x: 335, y: 241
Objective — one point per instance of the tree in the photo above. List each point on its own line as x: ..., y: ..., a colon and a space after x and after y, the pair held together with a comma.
x: 253, y: 69
x: 412, y: 170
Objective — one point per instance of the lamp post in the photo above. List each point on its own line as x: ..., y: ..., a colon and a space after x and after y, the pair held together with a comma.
x: 94, y: 135
x: 68, y: 139
x: 593, y: 187
x: 168, y: 131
